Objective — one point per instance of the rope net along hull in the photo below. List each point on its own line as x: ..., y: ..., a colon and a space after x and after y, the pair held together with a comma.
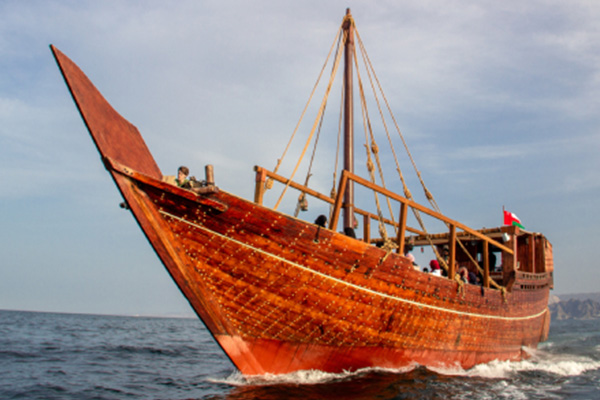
x: 280, y: 294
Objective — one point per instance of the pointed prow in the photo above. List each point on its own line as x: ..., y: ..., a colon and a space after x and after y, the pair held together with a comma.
x: 115, y: 137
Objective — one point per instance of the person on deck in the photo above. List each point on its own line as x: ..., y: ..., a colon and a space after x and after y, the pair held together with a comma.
x: 473, y: 278
x: 408, y: 254
x: 182, y: 177
x: 446, y: 258
x: 435, y: 268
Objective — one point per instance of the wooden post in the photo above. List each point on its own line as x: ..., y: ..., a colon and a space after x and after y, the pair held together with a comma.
x: 335, y: 214
x: 509, y: 260
x: 532, y: 254
x: 209, y: 174
x: 367, y: 229
x: 486, y: 264
x: 402, y: 227
x: 452, y: 256
x: 540, y: 253
x: 259, y: 189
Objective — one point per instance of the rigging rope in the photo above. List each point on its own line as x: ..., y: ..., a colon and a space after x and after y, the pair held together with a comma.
x: 372, y: 149
x: 302, y: 202
x: 337, y: 152
x: 370, y: 166
x: 321, y: 109
x: 338, y: 36
x: 372, y: 75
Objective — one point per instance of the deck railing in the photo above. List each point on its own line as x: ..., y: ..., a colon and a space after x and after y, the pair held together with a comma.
x: 509, y: 259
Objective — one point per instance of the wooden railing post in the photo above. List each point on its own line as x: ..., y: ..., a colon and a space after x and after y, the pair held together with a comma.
x: 486, y: 264
x: 402, y: 227
x: 509, y: 259
x: 259, y: 189
x: 452, y: 256
x: 366, y: 229
x: 337, y: 206
x: 532, y: 254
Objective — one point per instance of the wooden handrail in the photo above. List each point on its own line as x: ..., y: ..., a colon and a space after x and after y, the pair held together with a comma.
x: 262, y: 174
x: 425, y: 210
x: 260, y: 171
x: 338, y: 203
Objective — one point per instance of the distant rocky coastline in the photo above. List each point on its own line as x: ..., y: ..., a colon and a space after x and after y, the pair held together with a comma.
x: 577, y: 306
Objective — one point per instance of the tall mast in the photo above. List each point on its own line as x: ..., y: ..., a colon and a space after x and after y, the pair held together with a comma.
x: 348, y: 119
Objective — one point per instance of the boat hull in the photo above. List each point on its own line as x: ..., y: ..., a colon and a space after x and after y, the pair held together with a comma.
x: 281, y: 294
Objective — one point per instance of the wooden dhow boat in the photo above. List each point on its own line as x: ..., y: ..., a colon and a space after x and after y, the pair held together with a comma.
x: 280, y: 294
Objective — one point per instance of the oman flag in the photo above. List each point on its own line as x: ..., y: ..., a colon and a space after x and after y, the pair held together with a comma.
x: 512, y: 219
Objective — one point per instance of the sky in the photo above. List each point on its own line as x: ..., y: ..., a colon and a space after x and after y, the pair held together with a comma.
x: 498, y: 102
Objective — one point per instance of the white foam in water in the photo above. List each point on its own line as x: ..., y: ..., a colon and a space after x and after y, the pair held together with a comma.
x: 557, y: 364
x: 562, y: 365
x: 304, y: 377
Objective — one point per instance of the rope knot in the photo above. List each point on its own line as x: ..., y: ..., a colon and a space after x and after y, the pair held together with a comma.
x: 370, y: 165
x: 375, y: 148
x: 389, y: 246
x: 428, y: 194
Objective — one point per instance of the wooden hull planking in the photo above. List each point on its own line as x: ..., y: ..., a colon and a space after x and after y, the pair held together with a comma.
x: 290, y: 303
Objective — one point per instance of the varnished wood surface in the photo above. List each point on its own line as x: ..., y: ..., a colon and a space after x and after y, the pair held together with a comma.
x: 274, y: 286
x: 114, y: 136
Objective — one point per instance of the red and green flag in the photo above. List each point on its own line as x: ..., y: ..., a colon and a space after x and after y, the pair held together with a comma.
x: 512, y: 219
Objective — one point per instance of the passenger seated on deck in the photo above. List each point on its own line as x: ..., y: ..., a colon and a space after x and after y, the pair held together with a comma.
x: 473, y: 278
x: 435, y: 268
x: 463, y: 272
x: 321, y: 221
x: 182, y: 177
x: 446, y: 258
x: 407, y: 253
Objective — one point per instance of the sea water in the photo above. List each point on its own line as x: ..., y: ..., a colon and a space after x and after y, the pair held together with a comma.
x: 72, y: 356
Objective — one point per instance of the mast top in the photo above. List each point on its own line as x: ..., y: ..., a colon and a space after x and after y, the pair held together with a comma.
x: 347, y: 18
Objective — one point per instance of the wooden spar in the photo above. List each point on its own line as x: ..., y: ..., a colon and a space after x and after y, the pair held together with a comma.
x: 261, y: 177
x: 348, y: 120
